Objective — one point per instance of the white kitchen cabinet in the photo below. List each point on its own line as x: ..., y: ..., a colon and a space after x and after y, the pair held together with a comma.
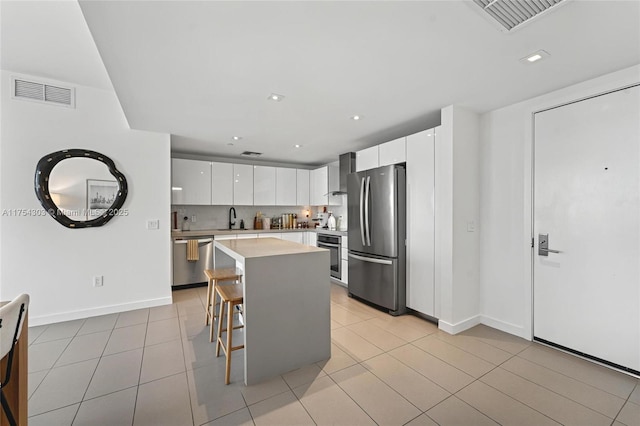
x: 296, y: 237
x: 190, y: 182
x: 225, y: 237
x: 302, y: 187
x: 221, y: 184
x: 367, y: 158
x: 392, y: 152
x: 312, y: 238
x: 319, y: 186
x: 243, y: 184
x: 264, y: 186
x: 420, y: 173
x: 243, y: 236
x: 344, y: 259
x: 270, y: 235
x: 286, y: 194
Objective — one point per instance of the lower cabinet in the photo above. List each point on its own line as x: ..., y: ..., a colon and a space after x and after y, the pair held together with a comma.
x: 241, y: 236
x: 270, y: 235
x: 344, y: 266
x: 296, y: 237
x: 312, y: 238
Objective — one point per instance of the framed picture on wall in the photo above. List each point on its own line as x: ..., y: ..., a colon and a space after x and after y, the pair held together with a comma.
x: 101, y: 194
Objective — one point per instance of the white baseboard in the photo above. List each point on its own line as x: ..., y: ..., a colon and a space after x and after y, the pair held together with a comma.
x: 102, y: 310
x: 459, y: 326
x: 516, y: 330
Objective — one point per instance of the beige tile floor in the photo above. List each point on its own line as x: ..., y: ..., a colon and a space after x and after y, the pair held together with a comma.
x: 157, y: 367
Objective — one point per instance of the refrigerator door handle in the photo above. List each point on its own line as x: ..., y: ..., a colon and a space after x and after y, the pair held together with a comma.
x: 362, y: 212
x: 370, y: 259
x: 366, y: 210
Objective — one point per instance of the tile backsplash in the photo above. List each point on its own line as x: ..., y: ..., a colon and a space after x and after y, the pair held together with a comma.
x: 217, y: 217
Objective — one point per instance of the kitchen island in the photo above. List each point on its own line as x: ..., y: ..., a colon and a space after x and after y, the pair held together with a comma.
x: 286, y: 303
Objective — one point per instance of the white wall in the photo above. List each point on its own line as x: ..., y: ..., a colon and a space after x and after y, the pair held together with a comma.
x: 505, y: 213
x: 55, y: 265
x: 457, y: 206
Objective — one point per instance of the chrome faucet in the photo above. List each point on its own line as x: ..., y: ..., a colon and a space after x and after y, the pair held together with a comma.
x: 232, y: 209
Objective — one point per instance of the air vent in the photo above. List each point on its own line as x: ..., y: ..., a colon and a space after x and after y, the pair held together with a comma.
x: 251, y: 154
x: 23, y: 89
x: 510, y: 14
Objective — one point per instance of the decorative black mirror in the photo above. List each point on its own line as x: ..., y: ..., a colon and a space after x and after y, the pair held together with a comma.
x: 80, y: 188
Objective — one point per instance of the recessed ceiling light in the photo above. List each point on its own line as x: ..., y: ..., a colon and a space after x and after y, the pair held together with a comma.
x: 355, y: 117
x: 275, y: 97
x: 298, y: 146
x: 236, y: 138
x: 534, y: 57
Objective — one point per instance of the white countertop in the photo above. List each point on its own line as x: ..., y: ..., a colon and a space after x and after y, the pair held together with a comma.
x: 263, y: 247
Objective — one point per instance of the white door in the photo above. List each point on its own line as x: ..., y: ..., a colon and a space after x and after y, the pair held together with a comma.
x: 587, y: 175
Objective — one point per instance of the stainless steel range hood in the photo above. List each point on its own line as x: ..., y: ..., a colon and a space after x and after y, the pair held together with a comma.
x: 347, y: 165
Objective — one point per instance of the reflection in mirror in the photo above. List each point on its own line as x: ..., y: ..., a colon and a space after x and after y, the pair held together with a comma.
x: 82, y: 188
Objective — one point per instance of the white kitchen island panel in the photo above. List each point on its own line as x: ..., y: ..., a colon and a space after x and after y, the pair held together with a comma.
x: 286, y: 304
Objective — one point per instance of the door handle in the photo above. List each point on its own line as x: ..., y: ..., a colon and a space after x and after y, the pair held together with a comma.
x: 366, y: 210
x: 543, y: 245
x: 547, y: 251
x: 362, y: 212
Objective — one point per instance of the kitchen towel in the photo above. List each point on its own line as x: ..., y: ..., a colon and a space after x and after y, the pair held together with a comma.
x: 192, y: 251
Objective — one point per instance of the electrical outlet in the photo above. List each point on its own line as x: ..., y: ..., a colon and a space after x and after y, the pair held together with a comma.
x: 98, y: 281
x: 471, y: 226
x: 193, y: 218
x: 153, y: 224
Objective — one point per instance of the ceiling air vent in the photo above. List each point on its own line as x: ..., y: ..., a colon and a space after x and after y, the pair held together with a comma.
x: 510, y: 14
x: 251, y: 154
x: 23, y: 89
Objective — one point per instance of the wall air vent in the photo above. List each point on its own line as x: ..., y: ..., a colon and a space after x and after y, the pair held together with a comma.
x: 40, y: 92
x: 251, y: 154
x: 511, y: 14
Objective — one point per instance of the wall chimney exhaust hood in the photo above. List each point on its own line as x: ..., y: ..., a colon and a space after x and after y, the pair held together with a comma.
x: 347, y: 165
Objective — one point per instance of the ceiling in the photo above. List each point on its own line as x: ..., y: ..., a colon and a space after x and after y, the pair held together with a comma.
x: 202, y: 71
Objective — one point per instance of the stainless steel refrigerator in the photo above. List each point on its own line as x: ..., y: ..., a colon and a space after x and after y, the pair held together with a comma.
x: 377, y: 237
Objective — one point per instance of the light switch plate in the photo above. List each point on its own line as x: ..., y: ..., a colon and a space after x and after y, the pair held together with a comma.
x: 153, y: 224
x: 471, y: 226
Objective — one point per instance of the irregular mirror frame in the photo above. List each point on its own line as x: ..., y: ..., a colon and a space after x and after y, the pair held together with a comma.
x: 43, y: 172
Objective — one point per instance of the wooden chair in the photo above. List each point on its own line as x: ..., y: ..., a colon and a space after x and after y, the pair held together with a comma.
x: 12, y: 316
x: 230, y: 296
x: 215, y: 276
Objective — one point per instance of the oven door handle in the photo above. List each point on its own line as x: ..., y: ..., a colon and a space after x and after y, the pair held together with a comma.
x: 328, y: 245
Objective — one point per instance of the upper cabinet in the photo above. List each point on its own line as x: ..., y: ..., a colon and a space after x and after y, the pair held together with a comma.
x: 319, y: 186
x: 302, y: 188
x: 243, y: 184
x: 392, y: 152
x: 190, y: 182
x: 264, y: 186
x: 221, y: 184
x: 286, y: 186
x: 367, y: 159
x: 196, y: 182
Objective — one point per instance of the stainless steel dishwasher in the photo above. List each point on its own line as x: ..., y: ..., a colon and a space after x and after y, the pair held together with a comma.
x: 191, y: 272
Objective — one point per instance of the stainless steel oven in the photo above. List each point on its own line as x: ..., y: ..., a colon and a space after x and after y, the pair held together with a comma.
x: 332, y: 243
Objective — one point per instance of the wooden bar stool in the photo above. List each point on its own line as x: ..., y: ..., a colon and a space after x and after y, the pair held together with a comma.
x: 230, y: 295
x: 215, y: 276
